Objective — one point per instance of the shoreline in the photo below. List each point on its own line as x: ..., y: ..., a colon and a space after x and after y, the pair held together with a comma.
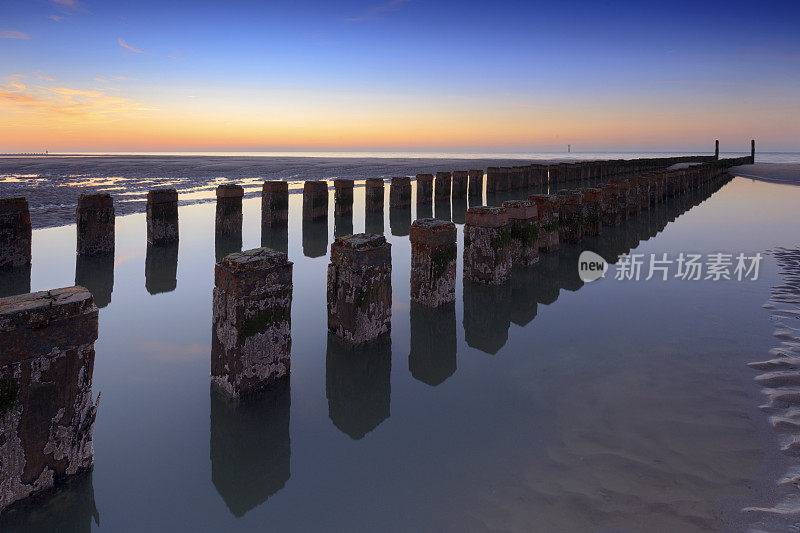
x: 771, y: 172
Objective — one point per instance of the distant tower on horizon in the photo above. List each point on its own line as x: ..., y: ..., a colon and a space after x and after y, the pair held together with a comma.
x: 569, y: 148
x: 716, y: 150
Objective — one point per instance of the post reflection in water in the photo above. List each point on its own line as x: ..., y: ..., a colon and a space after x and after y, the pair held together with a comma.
x: 315, y: 238
x: 15, y: 281
x: 275, y: 236
x: 161, y: 268
x: 250, y: 446
x: 433, y: 343
x: 424, y: 207
x: 400, y: 221
x: 460, y: 210
x: 442, y: 210
x: 224, y: 245
x: 486, y: 316
x: 96, y: 273
x: 358, y: 385
x: 373, y: 222
x: 343, y: 225
x: 69, y: 506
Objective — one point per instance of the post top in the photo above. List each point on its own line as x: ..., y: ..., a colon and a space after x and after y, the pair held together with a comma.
x: 343, y: 183
x: 443, y: 174
x: 275, y: 186
x: 592, y: 194
x: 520, y: 209
x: 255, y: 259
x: 374, y: 182
x: 230, y: 190
x: 361, y: 241
x: 424, y: 177
x: 433, y: 231
x: 401, y: 180
x: 460, y: 173
x: 95, y: 200
x: 315, y: 186
x: 487, y: 216
x: 13, y: 204
x: 162, y: 196
x: 35, y: 308
x: 475, y: 172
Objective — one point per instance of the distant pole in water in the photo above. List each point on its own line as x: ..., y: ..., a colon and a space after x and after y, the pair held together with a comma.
x: 716, y: 150
x: 752, y: 151
x: 569, y: 148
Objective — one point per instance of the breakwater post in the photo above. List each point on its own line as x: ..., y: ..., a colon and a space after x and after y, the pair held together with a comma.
x: 47, y: 410
x: 752, y: 151
x: 400, y: 192
x: 229, y: 211
x: 593, y: 199
x: 475, y: 183
x: 424, y: 189
x: 162, y: 216
x: 360, y: 288
x: 274, y: 203
x: 15, y: 233
x: 95, y: 218
x: 460, y: 183
x: 373, y: 194
x: 572, y: 216
x: 523, y: 231
x: 342, y: 197
x: 252, y: 321
x: 433, y: 262
x: 548, y: 219
x: 716, y: 150
x: 442, y: 186
x: 487, y: 250
x: 315, y: 200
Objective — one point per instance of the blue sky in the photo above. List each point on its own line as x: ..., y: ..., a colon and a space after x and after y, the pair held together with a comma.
x: 411, y: 74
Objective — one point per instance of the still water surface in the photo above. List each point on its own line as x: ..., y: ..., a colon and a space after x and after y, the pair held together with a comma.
x: 543, y: 405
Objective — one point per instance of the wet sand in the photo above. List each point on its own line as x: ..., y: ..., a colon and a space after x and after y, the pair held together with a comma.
x: 778, y: 172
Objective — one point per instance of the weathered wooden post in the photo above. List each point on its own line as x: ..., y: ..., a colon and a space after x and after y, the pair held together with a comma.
x: 492, y: 180
x: 274, y: 203
x: 252, y: 317
x: 593, y: 198
x: 373, y: 194
x: 460, y: 183
x: 424, y: 188
x: 432, y: 357
x: 343, y: 197
x: 400, y: 192
x: 487, y: 251
x: 47, y: 409
x: 162, y: 216
x: 571, y: 216
x: 475, y: 183
x: 716, y: 150
x: 442, y: 186
x: 315, y: 200
x: 752, y: 151
x: 547, y: 216
x: 524, y: 232
x: 15, y: 233
x: 360, y: 288
x: 229, y: 210
x: 433, y: 262
x: 95, y: 217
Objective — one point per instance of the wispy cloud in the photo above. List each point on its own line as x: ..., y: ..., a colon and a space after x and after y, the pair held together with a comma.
x: 56, y: 17
x: 11, y: 34
x: 376, y: 11
x: 68, y: 4
x: 64, y: 101
x: 133, y: 49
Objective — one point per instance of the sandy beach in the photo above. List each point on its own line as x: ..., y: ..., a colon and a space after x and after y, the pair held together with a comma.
x: 778, y: 172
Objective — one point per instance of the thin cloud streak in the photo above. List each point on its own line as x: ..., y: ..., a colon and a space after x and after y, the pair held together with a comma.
x: 11, y: 34
x: 125, y: 45
x: 378, y: 10
x: 69, y: 4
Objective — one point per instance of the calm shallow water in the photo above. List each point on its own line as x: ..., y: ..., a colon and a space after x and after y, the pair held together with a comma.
x: 544, y: 405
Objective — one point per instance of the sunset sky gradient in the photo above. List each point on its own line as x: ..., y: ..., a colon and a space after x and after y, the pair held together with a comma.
x: 416, y: 75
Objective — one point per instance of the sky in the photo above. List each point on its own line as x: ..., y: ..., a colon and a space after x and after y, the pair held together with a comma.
x: 398, y: 75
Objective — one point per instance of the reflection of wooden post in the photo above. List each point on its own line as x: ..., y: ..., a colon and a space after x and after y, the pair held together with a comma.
x: 15, y: 233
